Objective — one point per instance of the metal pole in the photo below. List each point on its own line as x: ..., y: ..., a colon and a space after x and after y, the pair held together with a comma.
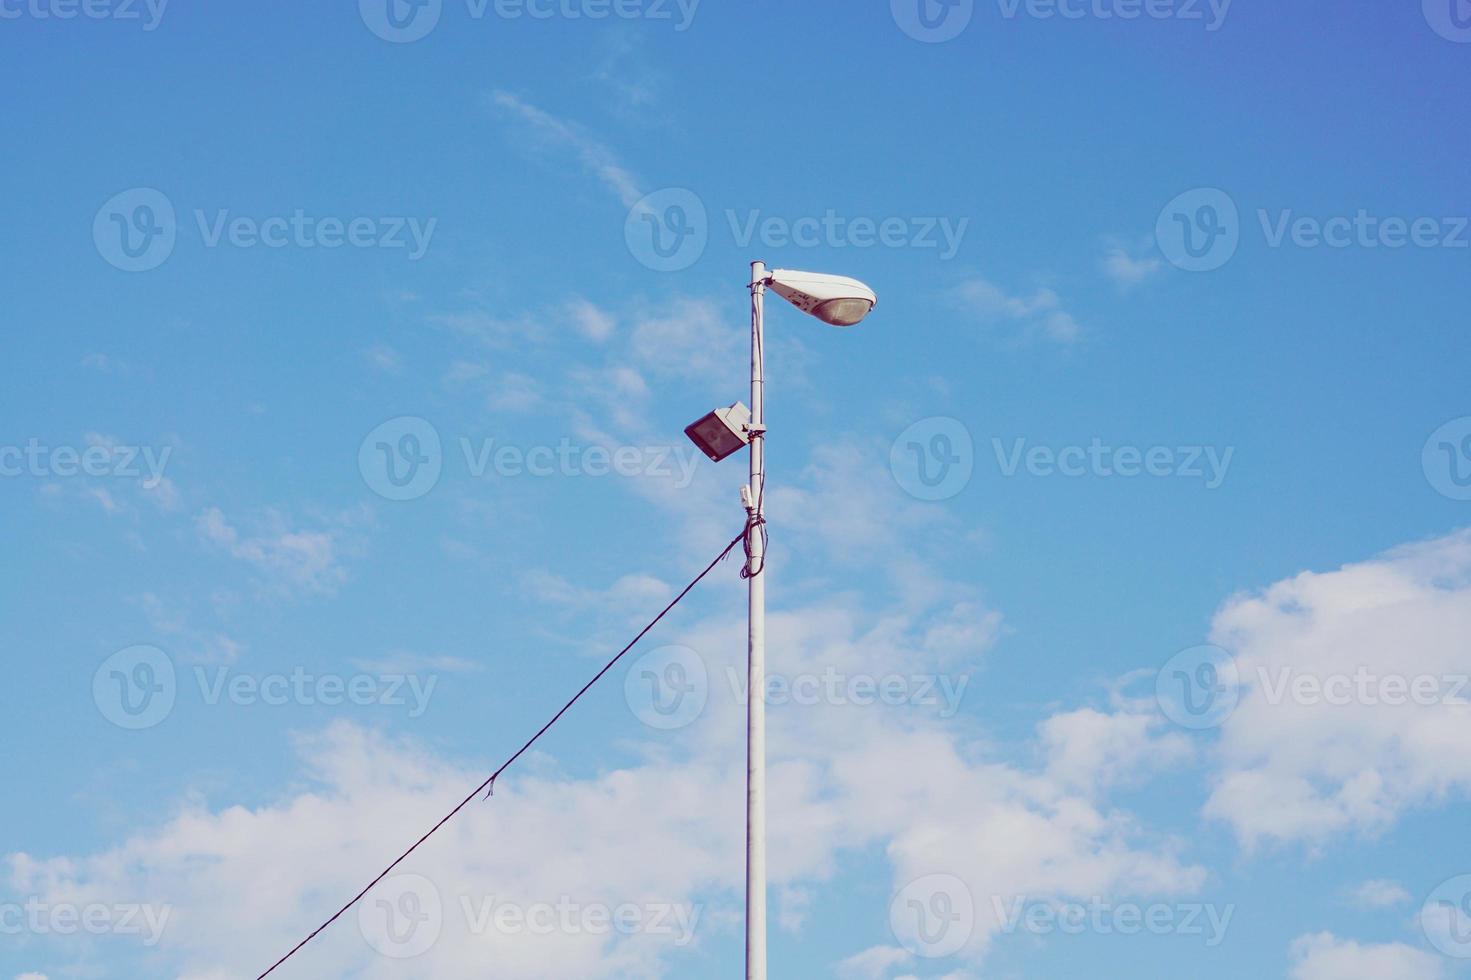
x: 756, y: 679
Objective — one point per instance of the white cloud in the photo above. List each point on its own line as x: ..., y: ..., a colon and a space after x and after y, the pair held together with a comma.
x: 873, y: 963
x: 186, y: 643
x: 1380, y: 894
x: 1359, y: 752
x: 1326, y: 957
x: 595, y: 157
x: 845, y: 778
x: 693, y: 339
x: 1127, y: 271
x: 383, y: 358
x: 288, y: 559
x: 1088, y: 747
x: 591, y: 321
x: 1040, y: 314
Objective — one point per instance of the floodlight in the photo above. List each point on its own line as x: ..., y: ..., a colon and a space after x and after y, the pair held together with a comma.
x: 837, y: 300
x: 722, y: 432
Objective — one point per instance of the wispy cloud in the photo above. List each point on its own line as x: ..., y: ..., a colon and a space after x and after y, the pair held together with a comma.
x: 1380, y: 894
x: 383, y: 358
x: 287, y: 559
x: 600, y: 161
x: 1041, y: 313
x: 1127, y: 271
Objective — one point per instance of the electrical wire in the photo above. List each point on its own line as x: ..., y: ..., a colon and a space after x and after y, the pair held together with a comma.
x: 489, y: 784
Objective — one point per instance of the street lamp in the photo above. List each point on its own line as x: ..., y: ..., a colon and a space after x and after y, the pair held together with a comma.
x: 841, y: 302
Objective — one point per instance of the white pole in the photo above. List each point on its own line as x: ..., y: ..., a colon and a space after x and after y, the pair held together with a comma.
x: 756, y: 689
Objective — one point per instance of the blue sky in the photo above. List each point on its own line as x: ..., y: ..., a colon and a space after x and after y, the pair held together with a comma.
x: 1143, y: 492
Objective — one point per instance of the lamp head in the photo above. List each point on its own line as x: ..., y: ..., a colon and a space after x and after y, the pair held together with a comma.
x: 722, y: 432
x: 837, y: 300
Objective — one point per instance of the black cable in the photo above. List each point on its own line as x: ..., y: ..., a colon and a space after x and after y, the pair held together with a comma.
x: 490, y: 783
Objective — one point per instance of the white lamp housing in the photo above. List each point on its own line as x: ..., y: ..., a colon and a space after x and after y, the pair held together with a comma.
x: 837, y: 300
x: 722, y: 432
